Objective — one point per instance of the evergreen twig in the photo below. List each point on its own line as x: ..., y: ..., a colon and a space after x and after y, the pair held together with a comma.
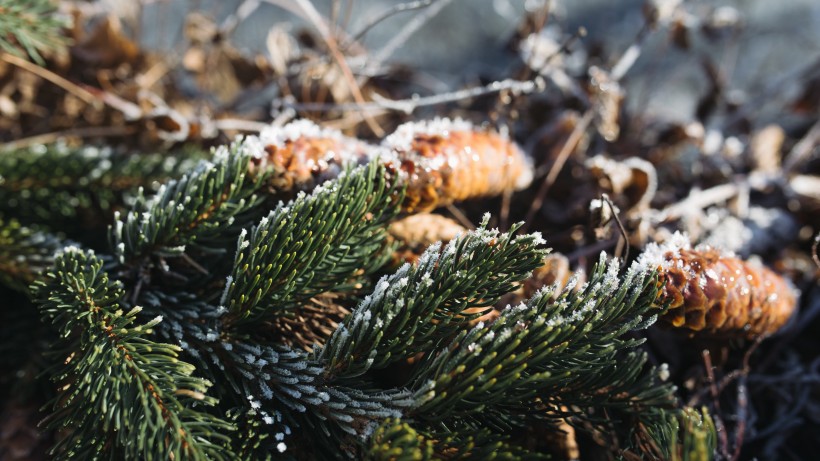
x: 30, y: 25
x: 117, y: 386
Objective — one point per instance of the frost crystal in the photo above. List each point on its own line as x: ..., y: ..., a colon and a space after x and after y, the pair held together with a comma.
x: 224, y: 297
x: 280, y: 135
x: 266, y: 391
x: 538, y: 239
x: 243, y: 243
x: 654, y: 255
x: 663, y: 371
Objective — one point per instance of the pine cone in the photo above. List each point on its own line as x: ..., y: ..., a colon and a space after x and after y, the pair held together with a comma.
x: 415, y: 233
x: 312, y: 323
x: 716, y: 294
x: 445, y: 161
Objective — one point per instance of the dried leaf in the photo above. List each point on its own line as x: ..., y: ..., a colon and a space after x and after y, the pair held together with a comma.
x: 107, y: 46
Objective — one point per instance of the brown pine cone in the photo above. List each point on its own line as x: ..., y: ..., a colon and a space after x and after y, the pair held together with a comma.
x: 445, y: 161
x: 416, y: 232
x: 716, y: 294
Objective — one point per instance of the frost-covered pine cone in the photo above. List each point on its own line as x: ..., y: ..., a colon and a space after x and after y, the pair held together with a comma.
x: 717, y: 294
x: 446, y: 161
x: 441, y: 161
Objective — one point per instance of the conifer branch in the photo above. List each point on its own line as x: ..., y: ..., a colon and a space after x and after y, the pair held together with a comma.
x: 397, y: 440
x: 120, y: 392
x: 25, y: 252
x: 315, y: 244
x: 565, y: 349
x: 191, y: 210
x: 394, y: 439
x: 682, y: 435
x: 416, y: 307
x: 30, y: 25
x: 70, y: 188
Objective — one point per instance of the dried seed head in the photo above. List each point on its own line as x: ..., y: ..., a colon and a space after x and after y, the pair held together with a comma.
x: 716, y: 294
x: 444, y: 161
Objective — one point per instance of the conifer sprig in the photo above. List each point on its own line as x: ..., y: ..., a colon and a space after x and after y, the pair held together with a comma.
x: 320, y: 242
x: 119, y: 391
x: 419, y: 306
x: 25, y: 252
x: 74, y: 189
x: 31, y: 25
x: 191, y: 210
x: 565, y: 349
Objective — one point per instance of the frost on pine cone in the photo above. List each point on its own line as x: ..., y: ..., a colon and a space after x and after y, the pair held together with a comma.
x: 713, y: 293
x: 440, y: 161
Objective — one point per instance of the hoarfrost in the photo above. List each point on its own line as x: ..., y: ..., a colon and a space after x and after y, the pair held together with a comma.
x: 226, y: 290
x: 663, y: 371
x: 266, y: 390
x: 402, y: 138
x: 655, y: 255
x: 538, y: 239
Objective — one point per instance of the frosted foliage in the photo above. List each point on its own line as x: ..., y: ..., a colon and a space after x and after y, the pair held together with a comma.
x: 72, y: 249
x: 222, y: 154
x: 538, y: 239
x: 611, y: 280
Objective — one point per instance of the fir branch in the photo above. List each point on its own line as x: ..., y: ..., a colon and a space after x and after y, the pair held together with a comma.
x: 75, y: 189
x: 119, y: 390
x: 191, y: 210
x: 179, y: 237
x: 682, y: 435
x: 25, y: 252
x: 272, y: 388
x: 274, y: 381
x: 394, y: 439
x: 413, y: 309
x: 320, y: 242
x: 565, y: 350
x: 32, y: 25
